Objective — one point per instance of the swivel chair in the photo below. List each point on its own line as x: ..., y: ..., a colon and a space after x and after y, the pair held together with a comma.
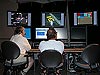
x: 50, y: 61
x: 89, y: 60
x: 11, y: 51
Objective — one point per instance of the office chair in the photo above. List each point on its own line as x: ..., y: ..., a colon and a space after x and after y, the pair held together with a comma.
x: 11, y: 51
x: 50, y: 61
x: 89, y: 59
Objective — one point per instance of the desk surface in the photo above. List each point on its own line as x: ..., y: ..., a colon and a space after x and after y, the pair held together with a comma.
x: 65, y: 50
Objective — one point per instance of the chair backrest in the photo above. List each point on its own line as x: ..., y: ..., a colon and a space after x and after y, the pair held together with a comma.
x: 10, y: 50
x: 50, y: 58
x: 91, y: 54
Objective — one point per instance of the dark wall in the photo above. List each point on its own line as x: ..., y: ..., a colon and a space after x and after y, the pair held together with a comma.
x: 35, y: 9
x: 93, y: 34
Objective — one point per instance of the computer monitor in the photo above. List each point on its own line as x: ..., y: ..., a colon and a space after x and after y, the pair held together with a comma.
x: 53, y: 19
x: 40, y: 33
x: 15, y: 18
x: 88, y: 18
x: 28, y: 33
x: 62, y: 33
x: 78, y: 34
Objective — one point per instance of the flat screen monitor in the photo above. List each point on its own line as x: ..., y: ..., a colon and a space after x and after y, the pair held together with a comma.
x: 53, y: 19
x: 16, y: 18
x: 78, y: 33
x: 41, y: 33
x: 88, y: 18
x: 28, y: 33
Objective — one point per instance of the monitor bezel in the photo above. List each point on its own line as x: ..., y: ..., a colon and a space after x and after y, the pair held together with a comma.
x: 29, y: 17
x: 78, y: 39
x: 43, y: 20
x: 94, y: 18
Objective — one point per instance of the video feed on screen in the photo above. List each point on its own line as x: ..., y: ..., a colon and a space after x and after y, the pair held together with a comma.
x: 85, y: 18
x: 54, y: 19
x: 19, y: 19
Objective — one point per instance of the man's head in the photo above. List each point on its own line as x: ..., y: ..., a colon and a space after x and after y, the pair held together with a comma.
x: 20, y: 30
x: 51, y: 34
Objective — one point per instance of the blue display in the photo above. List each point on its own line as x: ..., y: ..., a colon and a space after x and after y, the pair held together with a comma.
x: 28, y: 33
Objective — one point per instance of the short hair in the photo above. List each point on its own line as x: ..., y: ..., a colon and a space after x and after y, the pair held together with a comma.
x: 51, y: 33
x: 18, y: 30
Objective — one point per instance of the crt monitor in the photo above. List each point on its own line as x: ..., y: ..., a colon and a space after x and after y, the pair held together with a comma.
x: 78, y: 33
x: 28, y: 33
x: 52, y: 19
x: 16, y: 18
x: 85, y: 18
x: 40, y: 33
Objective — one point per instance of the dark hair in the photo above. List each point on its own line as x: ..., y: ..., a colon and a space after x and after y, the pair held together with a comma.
x: 18, y: 30
x: 51, y: 33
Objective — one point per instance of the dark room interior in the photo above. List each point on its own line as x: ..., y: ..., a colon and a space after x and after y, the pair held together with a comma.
x: 76, y: 22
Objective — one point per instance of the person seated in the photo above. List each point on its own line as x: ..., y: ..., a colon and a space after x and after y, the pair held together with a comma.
x: 24, y: 46
x: 52, y: 43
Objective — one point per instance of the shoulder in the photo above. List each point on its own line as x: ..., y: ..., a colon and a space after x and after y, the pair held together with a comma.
x: 22, y: 38
x: 42, y: 42
x: 60, y: 42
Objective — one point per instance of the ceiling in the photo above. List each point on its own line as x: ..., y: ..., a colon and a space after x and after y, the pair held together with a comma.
x: 39, y: 1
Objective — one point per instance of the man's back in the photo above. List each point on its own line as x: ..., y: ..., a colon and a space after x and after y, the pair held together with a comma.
x: 52, y: 44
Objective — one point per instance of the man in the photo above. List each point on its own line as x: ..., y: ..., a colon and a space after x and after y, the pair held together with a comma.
x: 24, y: 46
x: 51, y: 43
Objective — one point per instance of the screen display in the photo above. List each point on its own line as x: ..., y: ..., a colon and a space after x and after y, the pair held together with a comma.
x: 78, y: 33
x: 41, y: 33
x: 18, y: 18
x: 53, y: 19
x: 28, y: 33
x: 85, y: 18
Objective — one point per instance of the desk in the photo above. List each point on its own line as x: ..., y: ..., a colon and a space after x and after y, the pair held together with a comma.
x: 65, y: 50
x: 35, y: 53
